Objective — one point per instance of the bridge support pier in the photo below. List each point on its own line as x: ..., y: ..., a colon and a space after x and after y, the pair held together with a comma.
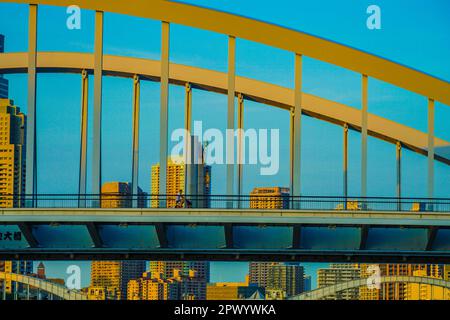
x: 135, y: 165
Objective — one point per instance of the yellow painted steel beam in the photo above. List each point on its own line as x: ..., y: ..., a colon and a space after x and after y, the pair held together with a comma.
x: 135, y: 151
x: 364, y: 119
x: 272, y: 35
x: 82, y: 178
x: 164, y: 109
x: 215, y: 81
x: 187, y: 143
x: 240, y: 151
x: 97, y: 114
x: 297, y: 127
x: 231, y: 92
x: 398, y: 157
x: 30, y: 67
x: 345, y: 163
x: 431, y: 148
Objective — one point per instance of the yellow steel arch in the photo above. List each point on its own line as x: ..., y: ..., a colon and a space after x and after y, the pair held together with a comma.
x: 323, y: 292
x: 272, y: 35
x: 47, y: 286
x: 215, y: 81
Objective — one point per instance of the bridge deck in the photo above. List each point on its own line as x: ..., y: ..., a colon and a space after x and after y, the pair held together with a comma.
x: 221, y: 234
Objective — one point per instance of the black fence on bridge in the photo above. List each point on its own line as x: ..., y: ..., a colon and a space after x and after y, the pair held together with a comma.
x: 260, y: 202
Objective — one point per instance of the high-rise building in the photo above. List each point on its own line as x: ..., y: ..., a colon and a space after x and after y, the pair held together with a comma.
x: 338, y: 273
x: 269, y: 198
x: 118, y: 195
x: 176, y: 182
x: 152, y: 288
x: 12, y: 174
x: 103, y: 293
x: 20, y: 267
x: 190, y: 285
x: 234, y: 291
x: 418, y: 291
x: 284, y: 278
x: 395, y: 291
x: 167, y: 269
x: 113, y: 276
x: 287, y: 278
x: 12, y: 154
x: 307, y: 283
x: 446, y: 272
x: 3, y: 81
x: 259, y: 272
x: 182, y: 286
x: 41, y: 271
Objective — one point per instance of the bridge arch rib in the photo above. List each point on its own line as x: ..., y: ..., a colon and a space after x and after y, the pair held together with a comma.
x: 50, y: 287
x: 272, y: 35
x: 215, y: 81
x: 330, y: 290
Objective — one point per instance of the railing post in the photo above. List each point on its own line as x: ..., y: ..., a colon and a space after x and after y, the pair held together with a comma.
x: 430, y: 151
x: 31, y: 156
x: 97, y: 132
x: 364, y: 119
x: 296, y: 134
x: 399, y: 175
x: 83, y: 140
x: 230, y: 119
x: 345, y: 164
x: 239, y: 146
x: 135, y: 168
x: 164, y: 117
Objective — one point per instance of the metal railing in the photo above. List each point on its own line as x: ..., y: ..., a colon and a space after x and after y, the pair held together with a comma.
x: 321, y: 203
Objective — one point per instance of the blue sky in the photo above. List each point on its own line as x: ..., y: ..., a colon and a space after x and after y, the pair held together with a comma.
x: 414, y: 33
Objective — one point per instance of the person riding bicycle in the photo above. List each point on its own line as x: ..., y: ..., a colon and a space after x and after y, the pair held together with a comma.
x: 179, y: 200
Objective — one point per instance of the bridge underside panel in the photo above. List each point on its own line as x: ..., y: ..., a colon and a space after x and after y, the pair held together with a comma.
x: 62, y: 236
x: 330, y: 238
x: 301, y: 236
x: 397, y: 239
x: 262, y: 237
x: 12, y: 238
x: 195, y: 237
x: 442, y: 241
x: 129, y: 236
